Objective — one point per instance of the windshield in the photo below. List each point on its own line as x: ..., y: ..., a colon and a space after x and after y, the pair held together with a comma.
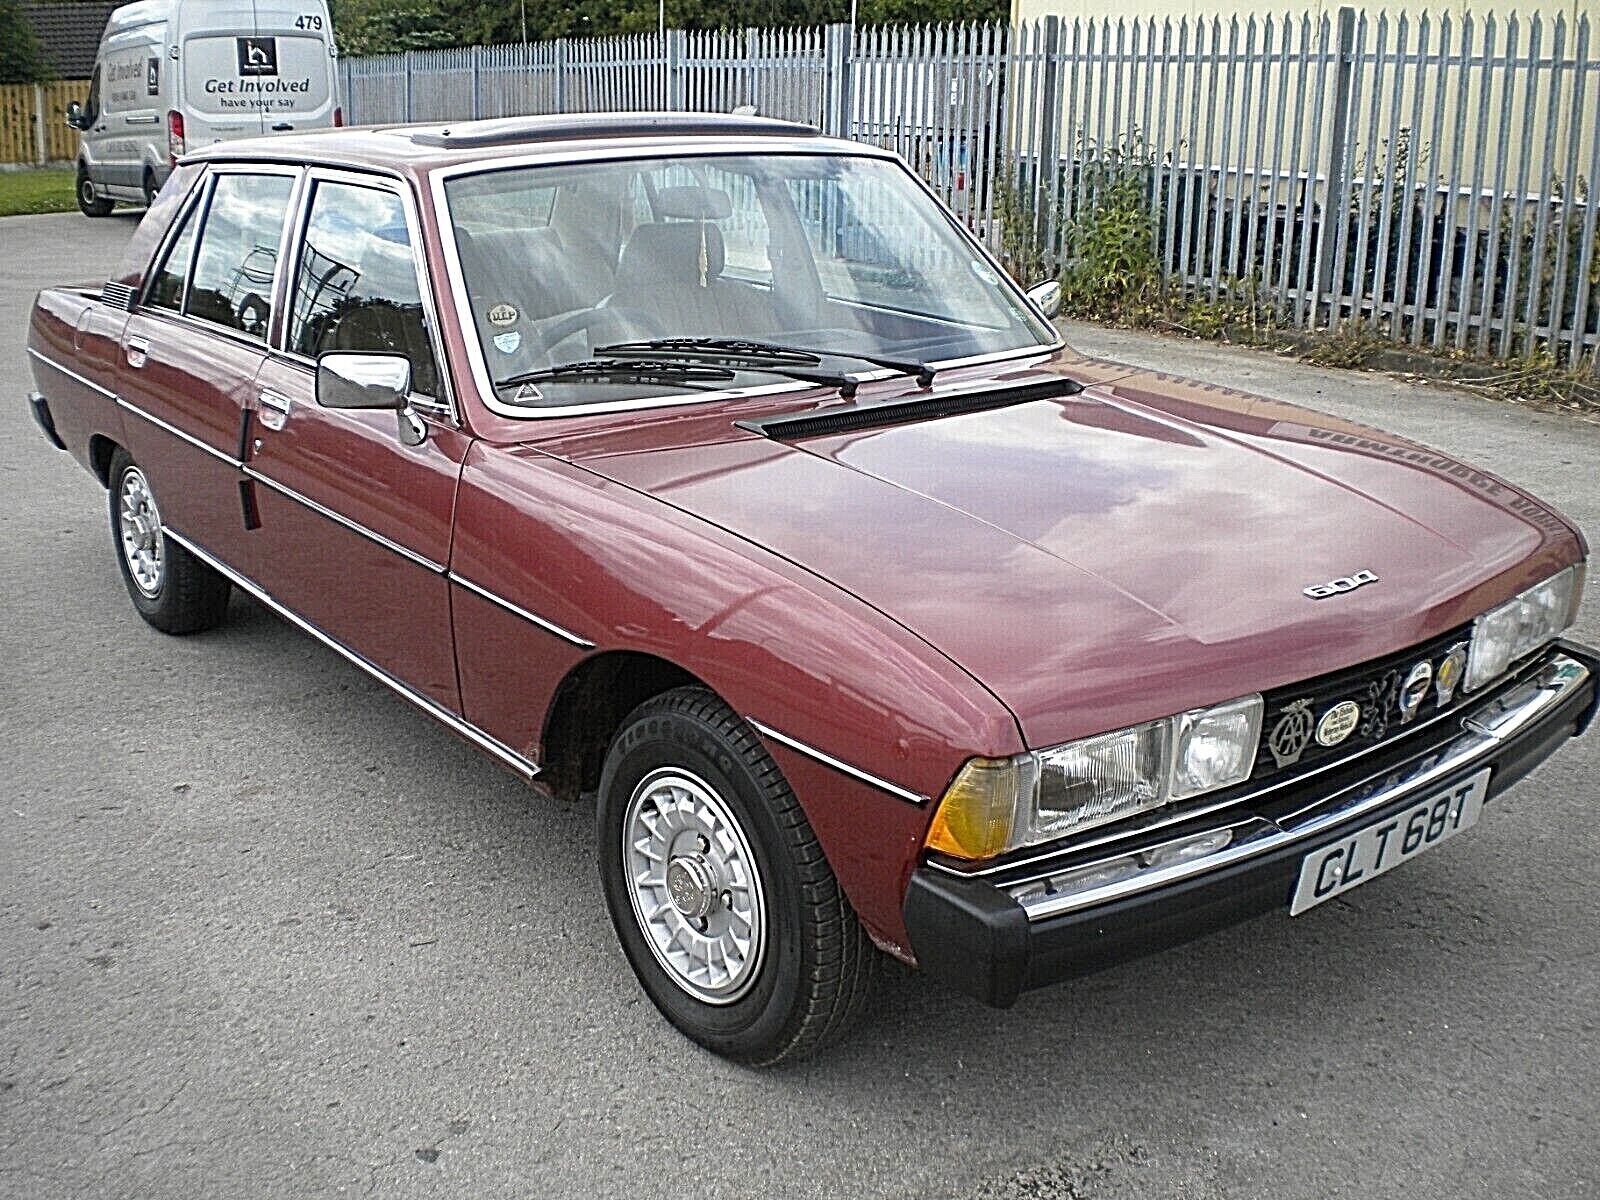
x: 843, y: 256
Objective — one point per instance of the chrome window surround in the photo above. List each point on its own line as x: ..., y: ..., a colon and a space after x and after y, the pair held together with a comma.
x: 1519, y: 703
x: 201, y: 198
x: 632, y: 149
x: 442, y: 408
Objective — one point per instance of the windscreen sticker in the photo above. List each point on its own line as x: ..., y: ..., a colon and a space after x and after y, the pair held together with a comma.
x: 528, y: 394
x: 507, y: 343
x: 502, y: 314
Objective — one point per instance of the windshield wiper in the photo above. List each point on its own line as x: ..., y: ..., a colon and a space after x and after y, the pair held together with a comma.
x: 668, y: 373
x: 745, y: 350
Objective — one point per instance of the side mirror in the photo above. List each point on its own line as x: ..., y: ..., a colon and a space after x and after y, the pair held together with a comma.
x: 1046, y: 298
x: 370, y: 381
x: 75, y: 115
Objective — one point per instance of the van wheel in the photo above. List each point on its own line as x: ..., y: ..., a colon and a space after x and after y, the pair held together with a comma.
x: 150, y: 188
x: 172, y: 589
x: 90, y: 204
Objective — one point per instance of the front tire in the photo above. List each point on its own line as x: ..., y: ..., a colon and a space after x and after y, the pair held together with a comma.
x: 719, y: 892
x: 171, y: 589
x: 90, y: 204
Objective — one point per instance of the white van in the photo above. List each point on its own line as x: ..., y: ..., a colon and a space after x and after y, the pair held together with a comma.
x: 172, y: 75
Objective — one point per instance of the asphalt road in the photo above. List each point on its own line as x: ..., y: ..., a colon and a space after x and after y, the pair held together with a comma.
x: 267, y: 931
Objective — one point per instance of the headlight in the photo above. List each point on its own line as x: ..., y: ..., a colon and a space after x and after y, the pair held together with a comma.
x: 995, y: 805
x: 1522, y: 624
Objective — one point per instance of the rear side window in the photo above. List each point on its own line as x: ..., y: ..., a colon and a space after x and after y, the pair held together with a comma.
x: 238, y: 255
x: 357, y: 287
x: 166, y: 286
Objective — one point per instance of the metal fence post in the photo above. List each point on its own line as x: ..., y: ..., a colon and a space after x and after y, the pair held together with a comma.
x: 476, y: 52
x: 836, y: 91
x: 406, y: 61
x: 41, y: 147
x: 1333, y: 207
x: 1047, y: 171
x: 561, y: 52
x: 677, y: 49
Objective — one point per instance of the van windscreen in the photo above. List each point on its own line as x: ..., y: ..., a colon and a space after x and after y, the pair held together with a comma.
x: 250, y: 76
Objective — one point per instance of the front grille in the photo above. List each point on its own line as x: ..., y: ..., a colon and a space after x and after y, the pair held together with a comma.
x: 1292, y: 716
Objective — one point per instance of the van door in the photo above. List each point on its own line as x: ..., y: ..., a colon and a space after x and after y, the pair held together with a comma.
x: 221, y: 80
x: 269, y: 76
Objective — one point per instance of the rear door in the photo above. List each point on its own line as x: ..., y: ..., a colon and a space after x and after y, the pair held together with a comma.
x: 193, y: 346
x: 355, y: 525
x: 269, y: 69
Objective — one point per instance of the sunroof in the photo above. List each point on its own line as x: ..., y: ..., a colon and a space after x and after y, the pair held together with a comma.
x: 511, y: 130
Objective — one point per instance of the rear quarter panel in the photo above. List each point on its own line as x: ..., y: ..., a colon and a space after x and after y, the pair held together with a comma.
x: 73, y: 343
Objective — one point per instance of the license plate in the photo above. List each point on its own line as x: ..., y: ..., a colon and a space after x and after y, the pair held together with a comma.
x: 1368, y: 853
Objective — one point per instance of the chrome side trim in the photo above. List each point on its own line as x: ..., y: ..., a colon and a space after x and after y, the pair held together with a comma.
x: 71, y: 374
x: 883, y: 785
x: 221, y: 456
x: 524, y: 766
x: 547, y: 626
x: 340, y: 519
x: 1521, y: 705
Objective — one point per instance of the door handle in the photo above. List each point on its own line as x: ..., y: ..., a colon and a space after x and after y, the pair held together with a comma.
x: 275, y: 408
x: 137, y: 350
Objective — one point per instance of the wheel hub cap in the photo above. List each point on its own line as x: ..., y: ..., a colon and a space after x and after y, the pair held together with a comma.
x: 693, y: 885
x: 139, y: 529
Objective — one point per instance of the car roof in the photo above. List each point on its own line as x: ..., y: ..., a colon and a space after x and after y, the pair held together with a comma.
x: 423, y: 147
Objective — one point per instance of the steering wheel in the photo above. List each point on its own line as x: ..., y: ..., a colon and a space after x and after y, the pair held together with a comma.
x: 603, y: 325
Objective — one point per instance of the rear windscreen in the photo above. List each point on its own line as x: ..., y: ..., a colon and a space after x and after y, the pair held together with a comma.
x: 241, y: 76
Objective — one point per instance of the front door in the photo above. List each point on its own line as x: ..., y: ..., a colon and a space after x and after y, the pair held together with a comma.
x: 354, y: 524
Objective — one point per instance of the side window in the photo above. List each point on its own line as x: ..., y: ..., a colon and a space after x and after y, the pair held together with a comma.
x: 357, y: 285
x: 91, y: 105
x: 238, y: 256
x: 166, y: 285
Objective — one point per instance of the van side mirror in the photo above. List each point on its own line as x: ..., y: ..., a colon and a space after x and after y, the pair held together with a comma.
x: 75, y: 115
x: 1046, y: 298
x: 370, y: 381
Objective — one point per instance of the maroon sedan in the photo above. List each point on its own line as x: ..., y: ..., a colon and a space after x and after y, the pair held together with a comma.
x: 707, y: 466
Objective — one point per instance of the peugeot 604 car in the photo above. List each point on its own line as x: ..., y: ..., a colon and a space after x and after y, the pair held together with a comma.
x: 709, y: 468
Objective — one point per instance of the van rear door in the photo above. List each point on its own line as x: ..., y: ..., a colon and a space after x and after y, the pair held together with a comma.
x: 267, y: 71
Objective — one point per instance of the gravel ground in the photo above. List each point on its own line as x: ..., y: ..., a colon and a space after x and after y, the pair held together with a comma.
x: 266, y: 931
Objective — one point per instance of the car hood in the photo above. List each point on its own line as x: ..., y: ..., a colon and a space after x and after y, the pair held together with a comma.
x: 1137, y: 549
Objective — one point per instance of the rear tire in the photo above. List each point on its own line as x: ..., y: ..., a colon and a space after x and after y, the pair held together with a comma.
x: 171, y: 589
x: 701, y: 841
x: 89, y: 203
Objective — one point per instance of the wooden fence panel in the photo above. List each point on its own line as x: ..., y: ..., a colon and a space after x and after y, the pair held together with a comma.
x: 18, y: 136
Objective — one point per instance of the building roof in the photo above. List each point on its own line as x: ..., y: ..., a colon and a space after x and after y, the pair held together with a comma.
x: 70, y: 34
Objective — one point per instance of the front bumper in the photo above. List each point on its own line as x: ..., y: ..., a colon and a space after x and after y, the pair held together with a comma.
x: 971, y: 931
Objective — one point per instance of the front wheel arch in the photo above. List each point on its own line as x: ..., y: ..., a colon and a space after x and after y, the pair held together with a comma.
x: 588, y: 709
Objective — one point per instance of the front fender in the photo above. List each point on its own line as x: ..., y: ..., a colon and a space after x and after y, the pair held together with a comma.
x: 594, y: 566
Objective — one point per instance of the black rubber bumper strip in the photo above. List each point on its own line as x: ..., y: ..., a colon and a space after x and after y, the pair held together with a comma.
x: 42, y: 417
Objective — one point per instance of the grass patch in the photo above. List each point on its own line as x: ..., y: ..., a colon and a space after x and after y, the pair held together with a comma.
x: 36, y: 190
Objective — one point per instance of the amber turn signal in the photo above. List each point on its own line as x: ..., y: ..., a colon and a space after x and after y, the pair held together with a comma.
x: 977, y: 811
